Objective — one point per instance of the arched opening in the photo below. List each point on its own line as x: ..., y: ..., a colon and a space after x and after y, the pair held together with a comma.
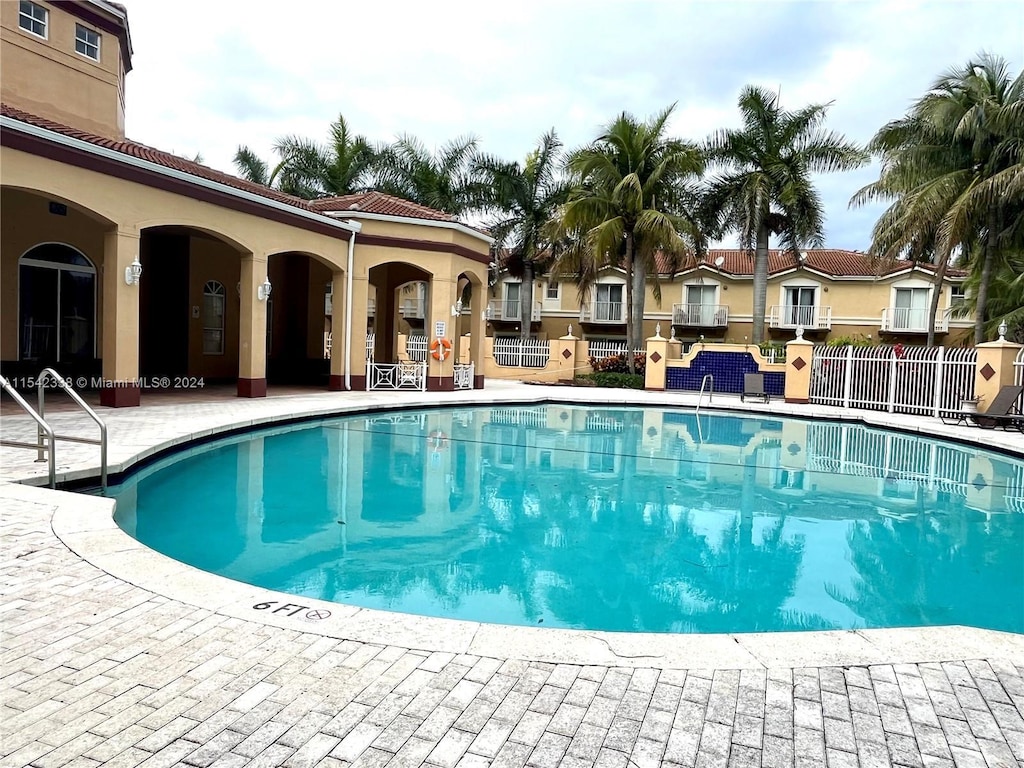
x: 189, y: 305
x: 51, y: 261
x: 56, y: 306
x: 401, y: 307
x: 300, y: 315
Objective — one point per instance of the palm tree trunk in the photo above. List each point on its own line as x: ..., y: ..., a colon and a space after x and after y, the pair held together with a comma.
x: 981, y: 306
x: 637, y: 307
x: 630, y: 353
x: 933, y: 310
x: 526, y: 300
x: 760, y: 283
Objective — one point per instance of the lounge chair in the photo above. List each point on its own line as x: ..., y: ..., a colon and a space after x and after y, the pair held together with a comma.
x: 1003, y: 412
x: 753, y: 386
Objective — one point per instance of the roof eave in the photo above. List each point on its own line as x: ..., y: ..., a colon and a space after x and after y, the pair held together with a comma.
x: 9, y: 123
x: 457, y: 226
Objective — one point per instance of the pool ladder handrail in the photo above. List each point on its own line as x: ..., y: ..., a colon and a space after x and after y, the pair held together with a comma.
x: 707, y: 380
x: 46, y: 438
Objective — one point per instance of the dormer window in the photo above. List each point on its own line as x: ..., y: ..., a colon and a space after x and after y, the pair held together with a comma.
x: 87, y: 42
x: 32, y: 18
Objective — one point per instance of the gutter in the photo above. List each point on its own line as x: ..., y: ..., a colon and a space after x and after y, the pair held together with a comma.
x: 356, y: 227
x: 9, y: 123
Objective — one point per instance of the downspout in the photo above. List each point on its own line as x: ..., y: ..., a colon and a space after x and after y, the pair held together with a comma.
x: 356, y: 227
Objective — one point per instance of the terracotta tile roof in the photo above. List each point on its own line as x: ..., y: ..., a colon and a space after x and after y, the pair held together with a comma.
x: 830, y: 261
x: 378, y: 202
x: 165, y: 159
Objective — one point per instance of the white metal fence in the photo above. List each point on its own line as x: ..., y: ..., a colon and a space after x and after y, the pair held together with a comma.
x: 599, y: 350
x: 329, y: 343
x: 1018, y: 377
x: 416, y: 348
x: 521, y: 353
x: 898, y: 379
x: 891, y: 458
x: 371, y: 341
x: 464, y: 375
x: 410, y: 375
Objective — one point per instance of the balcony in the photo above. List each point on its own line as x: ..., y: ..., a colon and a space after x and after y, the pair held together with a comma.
x: 607, y: 312
x: 510, y: 310
x: 371, y: 307
x: 412, y: 309
x: 812, y: 318
x: 906, y: 320
x: 700, y: 315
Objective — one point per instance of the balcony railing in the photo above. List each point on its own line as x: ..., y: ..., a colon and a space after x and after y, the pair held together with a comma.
x: 510, y: 310
x: 906, y: 320
x: 812, y: 318
x: 603, y: 312
x: 371, y: 307
x: 700, y: 315
x: 412, y: 309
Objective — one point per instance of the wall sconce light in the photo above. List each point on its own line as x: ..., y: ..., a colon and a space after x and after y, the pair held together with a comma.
x: 1002, y: 331
x: 133, y: 272
x: 263, y: 289
x: 457, y: 308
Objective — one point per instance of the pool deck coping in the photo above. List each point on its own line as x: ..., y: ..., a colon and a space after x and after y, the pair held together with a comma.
x: 85, y: 525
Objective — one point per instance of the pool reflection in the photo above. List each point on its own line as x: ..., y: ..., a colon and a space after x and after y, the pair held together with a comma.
x: 628, y: 519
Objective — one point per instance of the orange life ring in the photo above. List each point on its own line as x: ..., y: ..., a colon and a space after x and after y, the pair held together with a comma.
x: 437, y: 440
x: 440, y: 349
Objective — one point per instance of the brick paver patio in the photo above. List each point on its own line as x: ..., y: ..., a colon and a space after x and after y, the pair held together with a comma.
x: 97, y: 671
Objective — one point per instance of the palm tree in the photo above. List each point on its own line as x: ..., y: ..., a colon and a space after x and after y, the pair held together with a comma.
x: 441, y: 180
x: 344, y: 165
x: 764, y: 187
x: 953, y: 169
x: 252, y: 168
x: 525, y: 199
x: 630, y: 204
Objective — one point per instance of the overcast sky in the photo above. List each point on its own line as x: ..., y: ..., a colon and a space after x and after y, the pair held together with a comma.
x: 209, y: 76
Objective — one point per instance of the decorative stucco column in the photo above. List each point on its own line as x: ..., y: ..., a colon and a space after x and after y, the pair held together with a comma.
x: 994, y: 370
x: 799, y: 356
x: 564, y: 351
x: 441, y: 373
x: 121, y: 386
x: 656, y: 369
x: 252, y: 327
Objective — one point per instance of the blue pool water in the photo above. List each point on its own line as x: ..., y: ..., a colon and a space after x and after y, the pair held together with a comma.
x: 608, y: 519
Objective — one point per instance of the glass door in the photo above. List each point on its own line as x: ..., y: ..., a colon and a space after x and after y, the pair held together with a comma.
x: 800, y: 307
x: 39, y: 294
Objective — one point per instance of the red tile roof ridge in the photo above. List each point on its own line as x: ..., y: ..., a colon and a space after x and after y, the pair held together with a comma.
x: 381, y: 203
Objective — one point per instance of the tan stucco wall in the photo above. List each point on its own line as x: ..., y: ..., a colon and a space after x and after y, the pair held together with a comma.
x: 50, y: 79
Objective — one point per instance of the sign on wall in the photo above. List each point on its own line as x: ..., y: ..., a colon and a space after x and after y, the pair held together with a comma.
x: 439, y: 329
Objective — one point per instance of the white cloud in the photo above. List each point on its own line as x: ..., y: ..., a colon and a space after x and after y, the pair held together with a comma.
x: 212, y: 75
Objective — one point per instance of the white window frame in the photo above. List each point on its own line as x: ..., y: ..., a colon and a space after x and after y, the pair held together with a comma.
x: 915, y: 284
x: 79, y: 29
x: 608, y: 285
x: 558, y: 290
x: 31, y: 19
x: 214, y: 289
x: 957, y: 294
x: 703, y: 288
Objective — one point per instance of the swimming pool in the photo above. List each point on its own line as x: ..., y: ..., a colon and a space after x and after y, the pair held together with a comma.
x: 623, y: 519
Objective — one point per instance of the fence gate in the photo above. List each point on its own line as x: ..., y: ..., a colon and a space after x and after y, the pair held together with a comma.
x: 920, y: 380
x: 1018, y: 377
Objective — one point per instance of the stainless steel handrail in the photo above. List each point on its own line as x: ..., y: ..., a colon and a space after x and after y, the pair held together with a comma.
x: 708, y: 379
x: 41, y: 426
x: 49, y: 373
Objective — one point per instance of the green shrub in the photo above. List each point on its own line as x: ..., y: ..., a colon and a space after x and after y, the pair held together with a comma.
x: 612, y: 379
x: 850, y: 341
x: 619, y: 363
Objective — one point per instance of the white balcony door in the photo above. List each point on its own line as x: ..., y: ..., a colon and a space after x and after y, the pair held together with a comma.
x: 609, y: 303
x: 800, y: 306
x: 701, y: 303
x: 911, y: 312
x: 511, y: 309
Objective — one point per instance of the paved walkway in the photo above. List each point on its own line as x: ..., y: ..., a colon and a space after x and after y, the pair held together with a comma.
x: 97, y: 671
